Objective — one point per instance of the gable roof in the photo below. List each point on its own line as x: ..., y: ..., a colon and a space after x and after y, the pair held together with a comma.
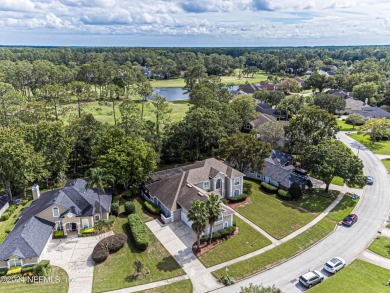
x: 248, y: 88
x: 261, y: 119
x: 31, y: 233
x: 354, y: 105
x: 373, y: 112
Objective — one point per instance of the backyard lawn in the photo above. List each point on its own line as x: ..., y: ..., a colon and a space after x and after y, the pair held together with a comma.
x: 40, y: 287
x: 277, y: 218
x: 387, y: 164
x: 382, y: 147
x: 10, y: 223
x: 184, y: 286
x: 246, y: 241
x: 381, y: 246
x: 359, y: 276
x: 344, y: 126
x: 116, y: 272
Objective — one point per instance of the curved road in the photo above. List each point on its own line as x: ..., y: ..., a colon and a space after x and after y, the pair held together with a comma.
x: 347, y: 243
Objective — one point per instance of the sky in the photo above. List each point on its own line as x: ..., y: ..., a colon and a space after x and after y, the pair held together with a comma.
x: 195, y: 23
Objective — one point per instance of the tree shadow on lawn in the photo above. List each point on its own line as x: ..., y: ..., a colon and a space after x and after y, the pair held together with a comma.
x: 166, y: 265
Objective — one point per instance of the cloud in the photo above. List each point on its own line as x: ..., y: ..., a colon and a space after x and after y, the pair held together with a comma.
x: 261, y: 5
x: 13, y: 5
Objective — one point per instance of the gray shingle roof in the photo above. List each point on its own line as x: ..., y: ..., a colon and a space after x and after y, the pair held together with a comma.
x: 373, y: 112
x: 30, y: 234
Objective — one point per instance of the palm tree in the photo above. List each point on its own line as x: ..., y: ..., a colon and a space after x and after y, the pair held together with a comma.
x: 99, y: 178
x: 198, y: 215
x: 213, y: 208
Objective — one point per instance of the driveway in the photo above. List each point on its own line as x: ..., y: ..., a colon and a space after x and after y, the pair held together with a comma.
x: 178, y: 238
x: 73, y: 254
x: 347, y: 243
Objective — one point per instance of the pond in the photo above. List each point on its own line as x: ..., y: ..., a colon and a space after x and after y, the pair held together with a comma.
x: 176, y: 93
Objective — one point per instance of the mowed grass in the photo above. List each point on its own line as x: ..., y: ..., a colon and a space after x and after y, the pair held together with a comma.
x: 10, y: 223
x: 290, y: 248
x: 230, y: 79
x: 104, y: 113
x: 342, y: 209
x: 359, y: 277
x: 59, y: 284
x: 116, y: 272
x: 344, y: 126
x: 246, y: 241
x: 381, y: 246
x: 184, y: 286
x: 337, y: 181
x: 276, y: 218
x: 315, y: 200
x: 387, y: 164
x: 381, y: 147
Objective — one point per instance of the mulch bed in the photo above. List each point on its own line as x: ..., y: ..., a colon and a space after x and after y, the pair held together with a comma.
x: 236, y: 204
x: 204, y: 247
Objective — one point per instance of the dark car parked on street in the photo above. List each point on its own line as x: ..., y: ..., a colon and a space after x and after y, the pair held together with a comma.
x: 350, y: 220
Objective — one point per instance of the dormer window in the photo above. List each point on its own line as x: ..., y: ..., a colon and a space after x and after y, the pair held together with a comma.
x: 206, y: 185
x: 237, y: 181
x: 56, y: 212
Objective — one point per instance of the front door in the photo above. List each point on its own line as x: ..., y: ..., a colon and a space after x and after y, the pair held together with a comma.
x: 73, y: 227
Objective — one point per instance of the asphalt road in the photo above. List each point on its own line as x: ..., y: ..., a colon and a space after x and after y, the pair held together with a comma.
x: 345, y: 242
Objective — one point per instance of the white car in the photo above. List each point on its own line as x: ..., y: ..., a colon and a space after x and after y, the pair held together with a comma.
x: 311, y: 278
x: 334, y: 265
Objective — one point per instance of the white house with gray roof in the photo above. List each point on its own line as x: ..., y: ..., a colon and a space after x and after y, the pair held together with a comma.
x: 70, y: 209
x: 174, y: 190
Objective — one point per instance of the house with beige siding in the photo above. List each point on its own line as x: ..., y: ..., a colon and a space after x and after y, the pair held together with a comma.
x: 69, y: 209
x: 174, y: 190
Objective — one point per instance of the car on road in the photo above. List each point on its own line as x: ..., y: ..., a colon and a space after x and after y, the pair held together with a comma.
x: 311, y: 278
x: 350, y: 220
x: 370, y: 180
x: 334, y: 265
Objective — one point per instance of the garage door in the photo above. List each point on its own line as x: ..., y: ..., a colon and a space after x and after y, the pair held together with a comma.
x: 185, y: 220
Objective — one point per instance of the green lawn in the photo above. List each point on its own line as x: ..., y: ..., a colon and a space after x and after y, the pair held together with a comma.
x: 315, y: 200
x: 272, y: 215
x: 381, y: 246
x: 184, y: 286
x: 115, y: 273
x: 104, y: 113
x: 344, y: 126
x: 246, y: 241
x: 381, y: 147
x: 337, y: 181
x: 40, y: 287
x: 10, y: 223
x: 290, y: 248
x: 359, y: 277
x: 179, y: 82
x: 387, y: 164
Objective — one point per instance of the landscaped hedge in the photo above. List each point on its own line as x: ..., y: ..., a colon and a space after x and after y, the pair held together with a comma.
x: 3, y: 271
x: 27, y: 269
x: 87, y: 231
x: 115, y: 209
x: 14, y: 271
x: 247, y: 188
x: 284, y: 194
x: 116, y: 242
x: 220, y: 234
x: 152, y: 208
x: 45, y: 263
x: 106, y: 245
x: 129, y: 207
x: 137, y: 229
x: 269, y: 187
x: 5, y: 216
x: 58, y: 234
x: 100, y: 253
x: 238, y: 198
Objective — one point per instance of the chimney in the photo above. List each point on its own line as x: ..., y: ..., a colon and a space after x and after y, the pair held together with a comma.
x: 35, y: 192
x: 366, y: 101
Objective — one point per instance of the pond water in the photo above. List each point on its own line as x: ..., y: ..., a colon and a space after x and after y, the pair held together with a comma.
x: 176, y: 93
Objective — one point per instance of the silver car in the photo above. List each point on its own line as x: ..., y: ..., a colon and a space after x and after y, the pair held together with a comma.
x: 311, y: 278
x: 334, y: 265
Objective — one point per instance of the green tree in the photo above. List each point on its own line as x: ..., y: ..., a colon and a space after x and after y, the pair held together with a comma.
x: 10, y: 102
x: 99, y: 178
x: 243, y: 151
x: 330, y: 103
x: 144, y: 89
x: 316, y: 81
x: 131, y: 120
x: 377, y: 128
x: 272, y: 98
x: 272, y: 132
x: 161, y: 110
x: 195, y: 74
x: 365, y: 91
x: 295, y: 191
x: 198, y: 216
x: 355, y: 119
x: 260, y: 289
x: 111, y: 94
x: 53, y: 95
x: 81, y: 91
x: 310, y: 127
x: 332, y: 158
x: 289, y: 85
x: 245, y: 107
x: 291, y: 104
x: 213, y: 210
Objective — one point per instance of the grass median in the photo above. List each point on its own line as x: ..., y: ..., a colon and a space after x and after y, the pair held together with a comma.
x: 381, y: 246
x: 184, y: 286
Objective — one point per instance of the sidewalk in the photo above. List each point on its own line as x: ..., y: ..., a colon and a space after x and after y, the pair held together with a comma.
x: 375, y: 259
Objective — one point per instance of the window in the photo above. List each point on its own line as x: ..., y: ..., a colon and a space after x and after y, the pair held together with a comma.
x: 15, y: 263
x: 220, y: 218
x: 258, y: 175
x: 225, y: 225
x: 236, y: 192
x: 85, y: 223
x: 218, y: 184
x: 58, y: 226
x: 236, y: 181
x: 97, y: 218
x: 206, y: 185
x: 56, y: 212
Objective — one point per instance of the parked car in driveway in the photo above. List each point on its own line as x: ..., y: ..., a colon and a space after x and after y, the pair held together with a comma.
x: 311, y: 278
x: 334, y: 265
x: 350, y: 220
x: 370, y: 180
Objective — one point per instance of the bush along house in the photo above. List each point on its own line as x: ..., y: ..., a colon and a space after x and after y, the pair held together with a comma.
x: 68, y: 209
x: 174, y: 190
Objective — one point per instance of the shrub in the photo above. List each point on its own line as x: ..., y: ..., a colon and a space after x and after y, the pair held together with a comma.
x: 3, y: 271
x: 137, y: 229
x: 227, y: 280
x: 269, y: 187
x: 238, y: 198
x: 110, y: 221
x: 39, y: 270
x: 247, y: 188
x: 295, y: 190
x: 14, y: 271
x: 116, y: 242
x: 129, y: 207
x: 45, y: 263
x: 5, y: 216
x: 152, y: 208
x: 132, y: 192
x: 100, y: 252
x: 115, y: 209
x: 87, y: 231
x: 58, y: 234
x: 7, y: 230
x: 27, y: 269
x: 284, y: 194
x: 115, y: 199
x: 220, y: 234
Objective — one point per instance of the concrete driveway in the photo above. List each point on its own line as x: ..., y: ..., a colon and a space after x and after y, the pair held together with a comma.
x: 178, y: 238
x: 73, y: 254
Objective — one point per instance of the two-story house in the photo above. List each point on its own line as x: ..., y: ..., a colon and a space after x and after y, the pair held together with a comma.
x: 70, y: 209
x: 174, y: 190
